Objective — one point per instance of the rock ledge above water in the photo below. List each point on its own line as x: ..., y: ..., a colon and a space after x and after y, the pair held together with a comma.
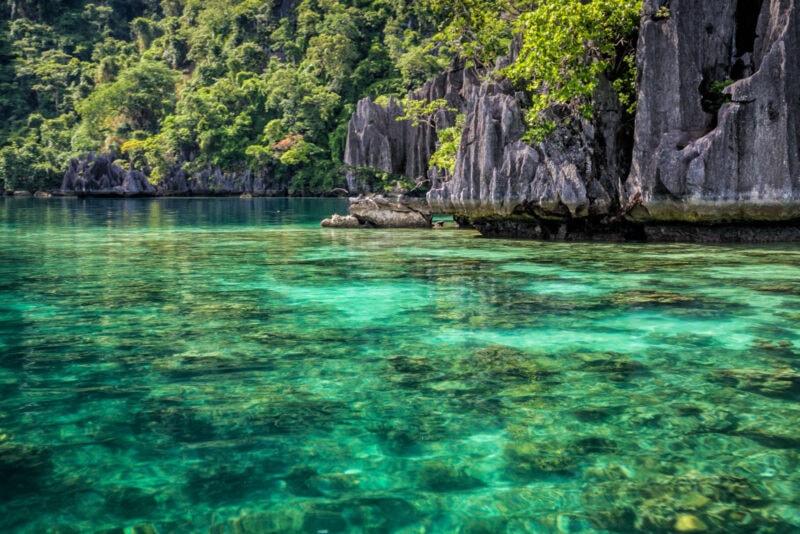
x: 378, y: 211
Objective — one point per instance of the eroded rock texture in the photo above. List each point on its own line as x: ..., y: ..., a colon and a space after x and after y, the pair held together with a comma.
x: 376, y: 140
x: 214, y: 182
x: 716, y: 142
x: 704, y: 153
x: 99, y: 176
x: 506, y: 186
x: 378, y: 211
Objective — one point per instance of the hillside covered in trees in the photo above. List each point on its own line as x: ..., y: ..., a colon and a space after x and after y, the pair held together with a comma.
x: 229, y: 85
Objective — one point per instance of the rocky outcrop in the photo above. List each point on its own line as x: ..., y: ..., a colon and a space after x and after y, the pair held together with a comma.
x: 100, y: 176
x: 378, y: 211
x: 341, y: 221
x: 704, y: 153
x: 377, y: 140
x: 213, y: 182
x: 715, y: 154
x: 506, y: 186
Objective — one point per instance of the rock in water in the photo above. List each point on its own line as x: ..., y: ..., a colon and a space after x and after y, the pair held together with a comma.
x: 715, y: 155
x: 214, y: 182
x: 378, y: 211
x: 341, y: 221
x: 400, y: 212
x: 689, y: 523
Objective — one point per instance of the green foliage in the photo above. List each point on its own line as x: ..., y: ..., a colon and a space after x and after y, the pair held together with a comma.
x: 447, y: 146
x: 478, y: 30
x: 662, y: 13
x: 35, y: 162
x: 228, y: 84
x: 424, y: 111
x: 139, y: 99
x: 713, y: 95
x: 567, y: 45
x: 382, y: 181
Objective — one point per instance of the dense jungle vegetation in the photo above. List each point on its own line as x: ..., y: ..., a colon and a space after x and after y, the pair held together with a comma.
x: 232, y: 84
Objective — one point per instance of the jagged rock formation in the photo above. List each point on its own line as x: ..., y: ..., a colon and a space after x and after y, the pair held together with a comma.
x: 698, y: 157
x: 215, y: 182
x: 100, y: 176
x: 715, y: 154
x: 341, y: 221
x: 378, y: 211
x: 376, y: 140
x: 505, y: 186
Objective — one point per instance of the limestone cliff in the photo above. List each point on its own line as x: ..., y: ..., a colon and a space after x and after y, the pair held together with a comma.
x: 707, y: 154
x: 377, y: 140
x: 213, y: 182
x: 716, y: 139
x: 99, y: 176
x: 506, y: 186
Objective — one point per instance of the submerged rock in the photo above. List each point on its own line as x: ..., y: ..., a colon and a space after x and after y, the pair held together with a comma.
x: 130, y: 502
x: 691, y: 502
x: 276, y: 520
x: 783, y: 382
x: 617, y: 367
x: 438, y: 475
x: 533, y: 459
x: 689, y: 523
x: 22, y: 466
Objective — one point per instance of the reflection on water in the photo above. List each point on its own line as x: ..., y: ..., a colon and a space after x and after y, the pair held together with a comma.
x: 226, y: 365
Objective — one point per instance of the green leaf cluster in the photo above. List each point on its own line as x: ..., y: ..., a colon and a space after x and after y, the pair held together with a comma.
x: 447, y: 146
x: 566, y: 46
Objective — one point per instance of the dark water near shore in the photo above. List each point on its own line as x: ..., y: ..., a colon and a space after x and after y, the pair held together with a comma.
x: 226, y: 365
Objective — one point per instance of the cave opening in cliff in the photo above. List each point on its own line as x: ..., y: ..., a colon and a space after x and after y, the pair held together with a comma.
x: 747, y: 12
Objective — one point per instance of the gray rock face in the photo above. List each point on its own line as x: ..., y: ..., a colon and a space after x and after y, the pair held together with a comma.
x: 702, y: 152
x: 215, y: 182
x: 694, y: 160
x: 341, y: 221
x: 98, y: 175
x: 497, y: 175
x: 383, y: 212
x: 376, y: 140
x: 378, y: 211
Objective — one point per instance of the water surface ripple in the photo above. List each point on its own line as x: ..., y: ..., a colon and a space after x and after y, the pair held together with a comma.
x: 228, y: 366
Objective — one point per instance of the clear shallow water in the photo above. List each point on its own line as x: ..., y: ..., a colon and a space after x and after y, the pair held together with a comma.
x: 227, y: 365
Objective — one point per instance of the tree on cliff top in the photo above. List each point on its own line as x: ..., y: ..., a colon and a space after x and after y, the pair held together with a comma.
x: 565, y: 46
x: 568, y: 44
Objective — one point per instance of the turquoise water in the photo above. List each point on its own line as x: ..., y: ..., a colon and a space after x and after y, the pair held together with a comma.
x: 228, y: 366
